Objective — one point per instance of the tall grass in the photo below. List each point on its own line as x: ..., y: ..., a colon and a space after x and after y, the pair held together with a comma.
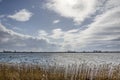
x: 71, y: 72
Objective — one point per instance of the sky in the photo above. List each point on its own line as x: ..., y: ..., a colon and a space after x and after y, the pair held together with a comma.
x: 59, y: 25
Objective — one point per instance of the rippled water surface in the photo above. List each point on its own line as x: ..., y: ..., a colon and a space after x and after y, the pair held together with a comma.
x: 60, y: 58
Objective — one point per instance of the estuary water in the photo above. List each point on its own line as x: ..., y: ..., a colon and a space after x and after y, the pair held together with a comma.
x: 60, y: 58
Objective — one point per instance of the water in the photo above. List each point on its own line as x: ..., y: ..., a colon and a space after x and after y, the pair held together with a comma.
x: 60, y: 58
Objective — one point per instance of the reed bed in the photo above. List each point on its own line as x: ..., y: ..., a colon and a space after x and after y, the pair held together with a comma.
x: 71, y: 72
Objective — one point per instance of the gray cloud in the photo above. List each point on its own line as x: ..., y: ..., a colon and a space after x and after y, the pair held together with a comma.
x: 102, y: 33
x: 11, y: 40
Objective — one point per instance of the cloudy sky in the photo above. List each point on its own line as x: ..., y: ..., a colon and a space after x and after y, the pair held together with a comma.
x: 59, y: 25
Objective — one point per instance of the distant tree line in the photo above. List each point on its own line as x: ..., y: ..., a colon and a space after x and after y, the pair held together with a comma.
x: 94, y: 51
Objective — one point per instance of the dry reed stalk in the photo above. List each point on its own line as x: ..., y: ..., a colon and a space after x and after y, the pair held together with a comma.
x: 71, y: 72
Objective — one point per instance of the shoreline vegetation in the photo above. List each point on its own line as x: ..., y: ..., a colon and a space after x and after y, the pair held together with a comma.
x: 95, y: 51
x: 71, y: 72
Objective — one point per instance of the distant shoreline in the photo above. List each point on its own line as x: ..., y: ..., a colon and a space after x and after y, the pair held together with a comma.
x: 62, y: 52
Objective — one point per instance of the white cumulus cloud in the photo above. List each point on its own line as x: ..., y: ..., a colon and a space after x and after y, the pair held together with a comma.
x: 78, y: 10
x: 22, y: 15
x: 103, y: 33
x: 56, y: 21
